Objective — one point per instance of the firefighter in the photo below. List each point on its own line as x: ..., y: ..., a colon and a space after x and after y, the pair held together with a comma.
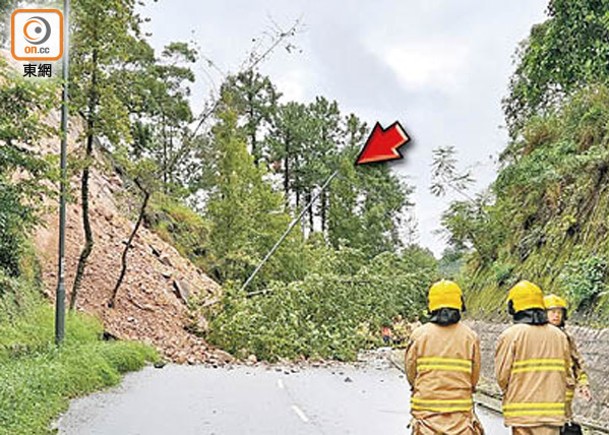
x: 556, y: 307
x: 531, y: 361
x: 443, y: 366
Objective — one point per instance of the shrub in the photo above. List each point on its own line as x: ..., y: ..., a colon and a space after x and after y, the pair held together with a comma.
x: 583, y: 280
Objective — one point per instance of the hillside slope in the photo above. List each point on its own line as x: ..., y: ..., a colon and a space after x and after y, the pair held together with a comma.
x: 152, y: 304
x: 549, y: 222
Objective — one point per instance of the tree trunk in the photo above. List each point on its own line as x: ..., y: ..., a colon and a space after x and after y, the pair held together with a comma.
x: 286, y: 172
x: 84, y: 185
x: 253, y: 127
x: 165, y: 180
x: 254, y: 152
x: 140, y: 218
x: 324, y: 204
x: 297, y: 186
x: 311, y: 213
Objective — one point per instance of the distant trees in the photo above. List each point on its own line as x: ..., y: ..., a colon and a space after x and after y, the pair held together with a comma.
x: 254, y: 99
x: 304, y: 144
x: 561, y: 55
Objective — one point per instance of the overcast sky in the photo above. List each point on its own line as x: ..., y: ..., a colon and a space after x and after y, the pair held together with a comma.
x: 440, y: 67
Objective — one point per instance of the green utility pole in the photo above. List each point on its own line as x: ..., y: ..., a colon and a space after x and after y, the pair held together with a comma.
x: 292, y: 225
x: 60, y: 295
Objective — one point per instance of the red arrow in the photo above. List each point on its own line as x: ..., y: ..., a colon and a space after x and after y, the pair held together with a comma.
x: 382, y: 144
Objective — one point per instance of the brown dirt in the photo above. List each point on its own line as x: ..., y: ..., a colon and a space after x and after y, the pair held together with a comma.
x: 150, y: 306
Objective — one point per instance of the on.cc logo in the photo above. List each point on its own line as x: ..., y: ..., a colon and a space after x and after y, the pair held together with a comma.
x: 37, y: 30
x: 37, y: 34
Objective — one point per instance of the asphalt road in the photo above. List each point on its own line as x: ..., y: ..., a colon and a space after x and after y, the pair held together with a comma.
x: 189, y: 400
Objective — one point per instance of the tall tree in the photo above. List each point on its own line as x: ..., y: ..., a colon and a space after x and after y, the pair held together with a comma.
x: 106, y: 41
x: 287, y: 139
x: 366, y: 203
x: 467, y: 221
x: 321, y: 152
x: 254, y: 97
x: 173, y: 113
x: 246, y: 215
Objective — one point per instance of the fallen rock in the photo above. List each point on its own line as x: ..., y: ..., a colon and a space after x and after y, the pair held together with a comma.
x: 182, y: 289
x: 164, y: 258
x: 224, y: 356
x: 167, y: 274
x: 156, y: 252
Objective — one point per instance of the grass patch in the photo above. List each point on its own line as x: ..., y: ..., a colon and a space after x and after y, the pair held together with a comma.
x: 37, y: 379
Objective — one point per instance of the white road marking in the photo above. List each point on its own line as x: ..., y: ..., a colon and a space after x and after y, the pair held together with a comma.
x: 280, y: 384
x: 301, y: 414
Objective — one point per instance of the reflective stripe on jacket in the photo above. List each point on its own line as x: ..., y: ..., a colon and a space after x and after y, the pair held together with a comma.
x: 532, y: 369
x: 443, y: 368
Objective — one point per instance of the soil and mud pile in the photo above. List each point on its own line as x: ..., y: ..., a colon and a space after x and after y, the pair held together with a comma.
x: 152, y: 303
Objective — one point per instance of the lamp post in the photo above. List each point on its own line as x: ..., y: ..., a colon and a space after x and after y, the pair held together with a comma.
x: 60, y: 295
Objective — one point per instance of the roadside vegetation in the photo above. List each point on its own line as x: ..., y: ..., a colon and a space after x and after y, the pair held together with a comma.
x: 38, y: 379
x: 545, y: 216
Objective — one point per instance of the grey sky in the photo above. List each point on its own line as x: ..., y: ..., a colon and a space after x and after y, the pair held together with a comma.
x: 440, y: 67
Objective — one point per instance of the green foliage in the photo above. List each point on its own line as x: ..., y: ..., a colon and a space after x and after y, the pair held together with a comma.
x: 451, y: 262
x: 548, y: 219
x: 179, y: 226
x: 254, y: 98
x: 503, y: 272
x: 584, y: 281
x: 444, y: 173
x: 158, y: 98
x: 246, y: 216
x: 467, y: 224
x: 333, y: 312
x: 465, y: 221
x: 23, y: 107
x: 105, y: 41
x: 565, y: 53
x: 366, y: 206
x: 286, y: 143
x: 37, y: 379
x: 19, y: 295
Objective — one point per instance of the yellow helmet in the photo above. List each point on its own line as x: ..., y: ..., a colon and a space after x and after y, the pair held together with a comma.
x: 553, y: 301
x: 445, y: 294
x: 525, y: 295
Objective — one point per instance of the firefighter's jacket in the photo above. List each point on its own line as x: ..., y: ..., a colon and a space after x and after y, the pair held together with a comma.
x: 532, y: 369
x: 578, y: 372
x: 443, y: 367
